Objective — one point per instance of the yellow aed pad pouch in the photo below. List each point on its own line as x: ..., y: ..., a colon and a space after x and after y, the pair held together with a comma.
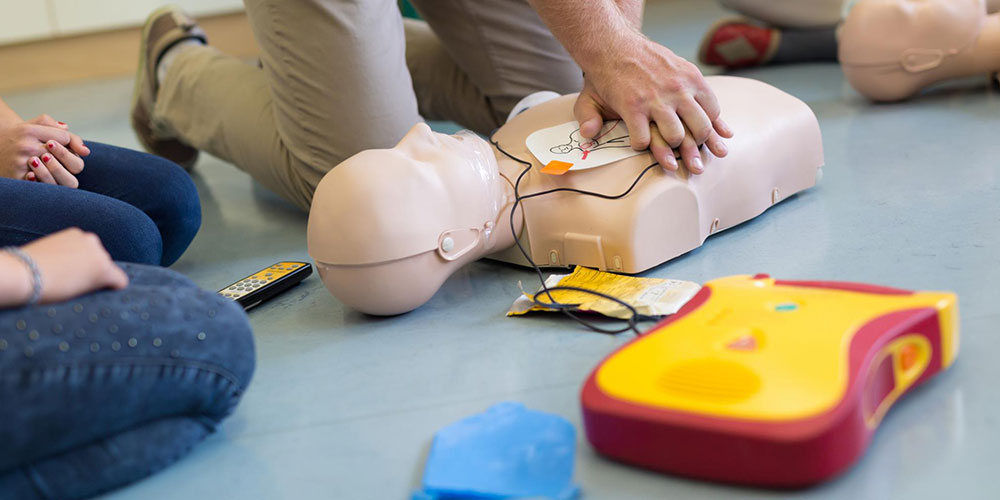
x: 651, y: 297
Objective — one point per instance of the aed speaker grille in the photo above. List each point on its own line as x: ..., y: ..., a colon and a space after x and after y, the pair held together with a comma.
x: 710, y: 380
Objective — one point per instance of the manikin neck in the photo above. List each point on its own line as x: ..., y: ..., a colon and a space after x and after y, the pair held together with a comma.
x: 502, y: 237
x: 987, y: 51
x: 984, y: 55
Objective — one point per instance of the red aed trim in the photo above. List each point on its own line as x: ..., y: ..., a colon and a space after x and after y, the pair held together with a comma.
x: 788, y: 454
x: 845, y: 286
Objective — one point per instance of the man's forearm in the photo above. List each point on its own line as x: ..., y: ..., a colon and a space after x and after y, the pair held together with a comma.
x: 593, y: 31
x: 632, y: 10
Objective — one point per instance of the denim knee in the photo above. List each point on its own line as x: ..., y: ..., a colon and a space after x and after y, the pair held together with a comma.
x: 223, y: 334
x: 175, y: 206
x: 127, y: 233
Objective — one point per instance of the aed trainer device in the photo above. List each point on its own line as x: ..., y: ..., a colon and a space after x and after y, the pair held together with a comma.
x: 267, y: 283
x: 766, y: 382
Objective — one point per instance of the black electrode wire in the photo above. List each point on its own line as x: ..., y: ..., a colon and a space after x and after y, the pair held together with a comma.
x: 567, y: 309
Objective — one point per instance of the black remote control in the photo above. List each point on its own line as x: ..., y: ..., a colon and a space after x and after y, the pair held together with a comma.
x: 267, y: 283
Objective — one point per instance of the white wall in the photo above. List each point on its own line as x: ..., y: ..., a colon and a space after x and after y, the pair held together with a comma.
x: 23, y: 20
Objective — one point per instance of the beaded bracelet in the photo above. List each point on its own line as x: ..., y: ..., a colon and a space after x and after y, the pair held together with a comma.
x: 36, y: 276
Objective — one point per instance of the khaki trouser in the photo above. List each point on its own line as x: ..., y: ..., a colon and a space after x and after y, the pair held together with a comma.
x: 343, y: 76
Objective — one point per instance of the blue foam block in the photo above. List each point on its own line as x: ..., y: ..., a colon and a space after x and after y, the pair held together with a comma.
x: 506, y: 452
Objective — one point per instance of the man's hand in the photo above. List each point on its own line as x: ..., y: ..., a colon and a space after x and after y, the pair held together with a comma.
x: 649, y: 83
x: 629, y: 76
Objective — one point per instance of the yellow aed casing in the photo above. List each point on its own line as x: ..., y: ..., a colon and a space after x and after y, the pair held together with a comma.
x: 767, y: 382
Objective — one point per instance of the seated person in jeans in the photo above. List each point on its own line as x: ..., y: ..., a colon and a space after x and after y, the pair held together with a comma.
x: 108, y: 373
x: 144, y: 209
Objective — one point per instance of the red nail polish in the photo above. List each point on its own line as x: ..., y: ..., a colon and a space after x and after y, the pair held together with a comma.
x: 62, y: 123
x: 46, y: 158
x: 34, y: 163
x: 52, y: 145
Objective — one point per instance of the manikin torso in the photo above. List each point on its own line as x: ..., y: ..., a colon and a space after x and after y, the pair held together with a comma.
x: 892, y: 49
x: 387, y: 227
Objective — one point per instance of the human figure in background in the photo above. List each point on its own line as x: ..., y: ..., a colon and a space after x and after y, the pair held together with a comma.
x: 779, y: 32
x: 339, y: 78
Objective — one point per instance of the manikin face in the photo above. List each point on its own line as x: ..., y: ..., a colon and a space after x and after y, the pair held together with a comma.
x: 430, y: 192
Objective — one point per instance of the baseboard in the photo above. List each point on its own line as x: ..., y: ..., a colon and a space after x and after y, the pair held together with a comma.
x: 109, y: 54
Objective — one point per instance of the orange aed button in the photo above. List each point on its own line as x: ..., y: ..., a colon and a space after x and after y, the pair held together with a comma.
x: 908, y: 356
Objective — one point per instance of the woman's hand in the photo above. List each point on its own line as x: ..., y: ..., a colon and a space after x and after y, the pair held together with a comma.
x: 41, y: 149
x: 71, y: 262
x: 75, y: 145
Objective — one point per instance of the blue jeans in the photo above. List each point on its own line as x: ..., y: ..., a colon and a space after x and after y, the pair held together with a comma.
x: 144, y: 208
x: 108, y: 388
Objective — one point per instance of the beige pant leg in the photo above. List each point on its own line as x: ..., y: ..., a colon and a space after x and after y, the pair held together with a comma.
x: 334, y: 83
x: 221, y: 105
x: 499, y: 47
x: 444, y: 90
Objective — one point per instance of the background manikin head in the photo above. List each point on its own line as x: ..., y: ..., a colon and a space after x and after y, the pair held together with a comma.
x: 890, y: 49
x: 442, y: 196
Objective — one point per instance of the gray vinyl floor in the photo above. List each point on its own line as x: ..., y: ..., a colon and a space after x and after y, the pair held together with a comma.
x: 344, y: 405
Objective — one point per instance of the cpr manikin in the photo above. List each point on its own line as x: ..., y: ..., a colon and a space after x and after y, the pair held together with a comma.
x: 892, y: 49
x: 387, y: 227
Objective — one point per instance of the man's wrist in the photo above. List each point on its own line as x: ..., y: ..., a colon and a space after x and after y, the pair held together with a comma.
x: 610, y: 55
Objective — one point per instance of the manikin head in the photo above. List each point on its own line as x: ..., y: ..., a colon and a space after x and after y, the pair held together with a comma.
x: 388, y: 226
x: 891, y: 49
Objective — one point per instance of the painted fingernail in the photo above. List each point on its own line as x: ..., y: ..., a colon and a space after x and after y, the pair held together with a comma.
x: 34, y: 163
x: 52, y: 145
x: 62, y: 123
x: 46, y: 158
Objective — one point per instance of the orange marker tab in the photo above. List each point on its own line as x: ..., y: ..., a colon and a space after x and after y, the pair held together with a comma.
x: 556, y: 167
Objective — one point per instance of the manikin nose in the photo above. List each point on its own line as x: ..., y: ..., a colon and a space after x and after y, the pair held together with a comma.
x: 420, y: 132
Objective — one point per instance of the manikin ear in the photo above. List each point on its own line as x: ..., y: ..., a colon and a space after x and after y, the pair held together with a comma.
x: 454, y: 244
x: 920, y: 60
